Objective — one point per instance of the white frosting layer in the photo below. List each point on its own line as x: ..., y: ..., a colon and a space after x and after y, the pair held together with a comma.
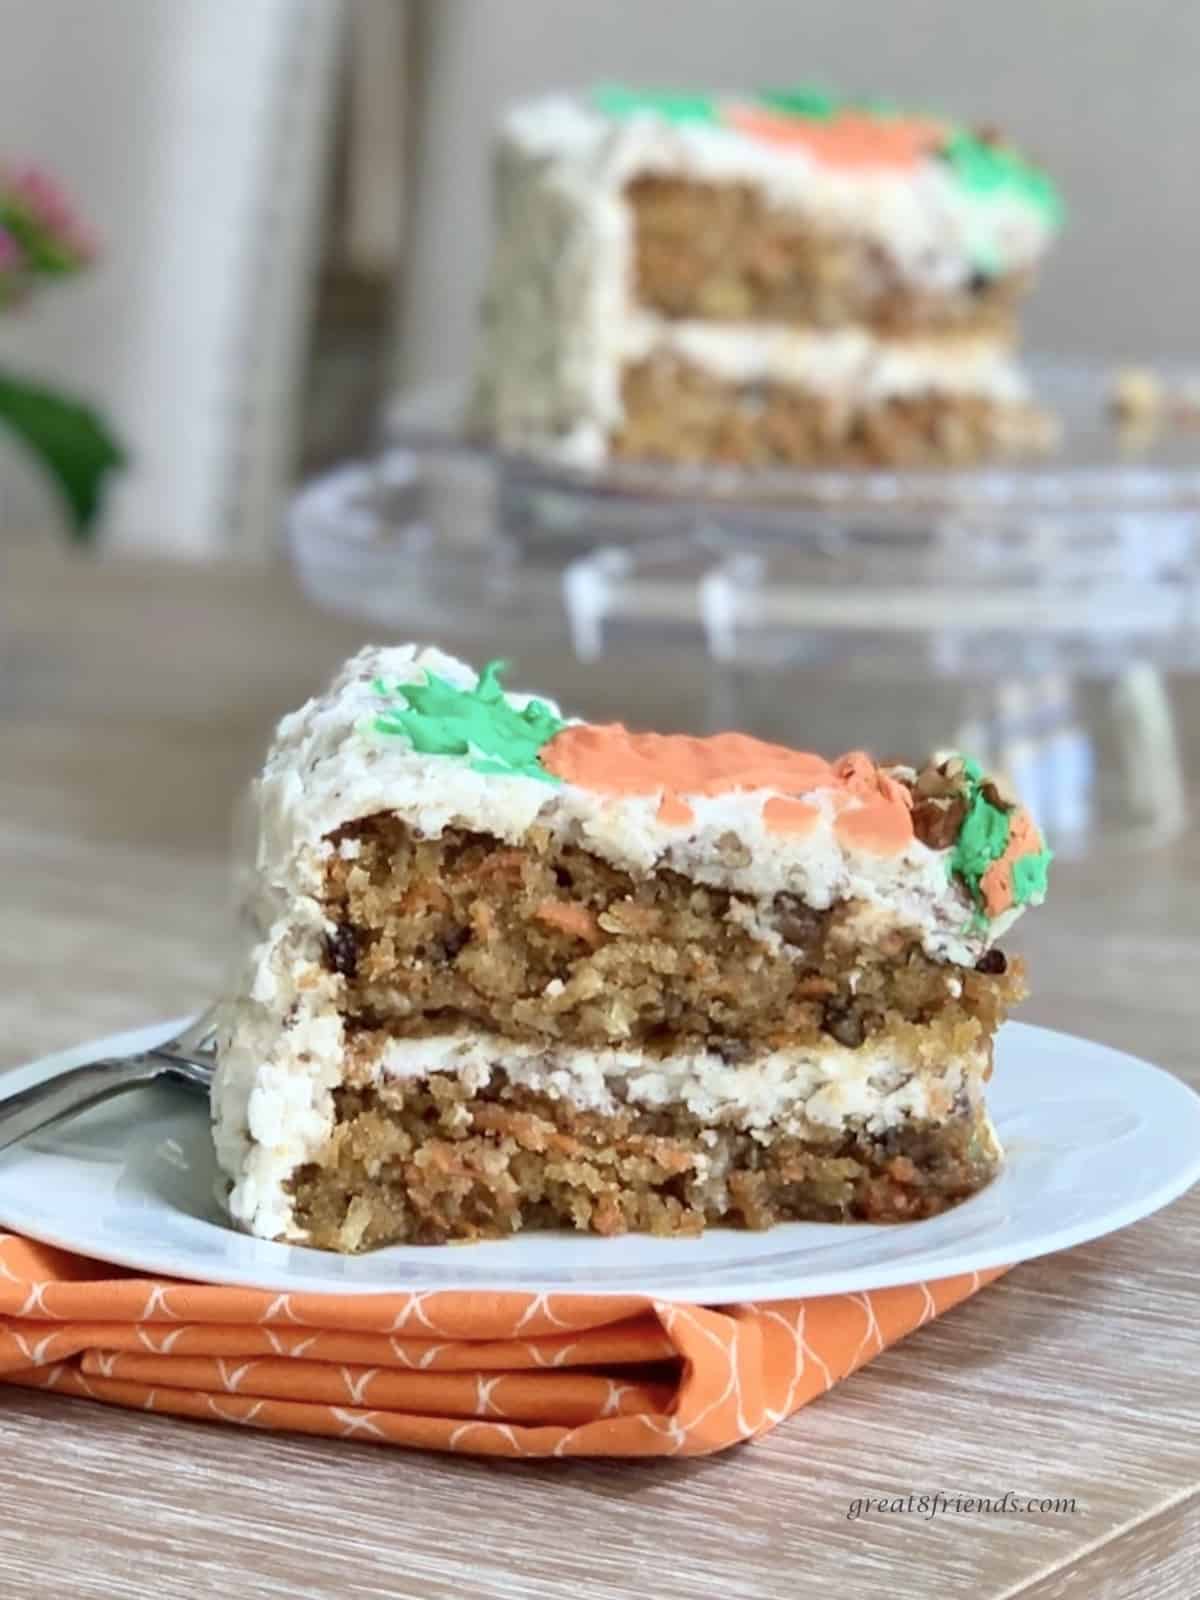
x: 847, y: 362
x: 779, y: 1091
x: 282, y: 1038
x: 560, y: 318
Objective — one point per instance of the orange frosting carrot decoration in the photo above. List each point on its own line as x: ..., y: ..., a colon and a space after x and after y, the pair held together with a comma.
x: 996, y: 885
x: 849, y: 139
x: 883, y: 823
x: 782, y: 814
x: 609, y: 759
x: 674, y: 813
x: 859, y: 774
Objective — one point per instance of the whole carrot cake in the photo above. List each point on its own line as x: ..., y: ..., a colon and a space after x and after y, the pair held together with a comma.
x: 778, y: 278
x: 516, y: 971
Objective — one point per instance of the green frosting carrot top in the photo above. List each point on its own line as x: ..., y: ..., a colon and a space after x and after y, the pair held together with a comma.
x: 439, y: 719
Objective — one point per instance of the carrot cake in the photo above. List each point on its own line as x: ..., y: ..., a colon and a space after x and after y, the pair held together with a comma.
x: 515, y: 971
x: 781, y: 278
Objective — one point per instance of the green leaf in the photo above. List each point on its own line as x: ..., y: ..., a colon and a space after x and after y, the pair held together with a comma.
x: 41, y: 250
x: 69, y: 439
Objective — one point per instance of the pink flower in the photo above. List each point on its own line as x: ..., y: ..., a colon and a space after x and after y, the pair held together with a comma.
x: 11, y: 258
x: 46, y: 203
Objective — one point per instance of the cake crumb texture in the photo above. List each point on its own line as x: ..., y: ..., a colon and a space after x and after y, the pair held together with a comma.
x: 673, y: 410
x: 545, y: 941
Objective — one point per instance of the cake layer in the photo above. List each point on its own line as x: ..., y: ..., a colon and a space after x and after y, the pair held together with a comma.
x: 433, y: 1160
x: 544, y: 941
x: 723, y: 252
x: 676, y: 409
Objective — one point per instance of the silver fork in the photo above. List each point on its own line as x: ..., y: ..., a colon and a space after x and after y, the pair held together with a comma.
x: 188, y: 1057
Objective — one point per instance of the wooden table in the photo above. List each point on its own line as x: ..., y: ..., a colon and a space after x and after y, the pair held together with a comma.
x: 134, y: 700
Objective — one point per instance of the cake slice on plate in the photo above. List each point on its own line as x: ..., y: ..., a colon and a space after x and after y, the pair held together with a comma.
x: 775, y: 279
x: 515, y: 971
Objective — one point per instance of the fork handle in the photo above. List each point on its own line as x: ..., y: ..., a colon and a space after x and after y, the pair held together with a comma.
x: 37, y: 1107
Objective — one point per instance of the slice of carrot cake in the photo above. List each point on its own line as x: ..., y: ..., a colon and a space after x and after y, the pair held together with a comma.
x: 516, y: 971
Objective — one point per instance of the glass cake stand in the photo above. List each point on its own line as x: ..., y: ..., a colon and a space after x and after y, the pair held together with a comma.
x: 1028, y: 613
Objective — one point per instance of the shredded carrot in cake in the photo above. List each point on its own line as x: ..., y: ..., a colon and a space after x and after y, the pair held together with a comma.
x: 570, y: 917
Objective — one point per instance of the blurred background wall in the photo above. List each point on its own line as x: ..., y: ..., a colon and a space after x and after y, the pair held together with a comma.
x: 294, y: 194
x: 192, y: 136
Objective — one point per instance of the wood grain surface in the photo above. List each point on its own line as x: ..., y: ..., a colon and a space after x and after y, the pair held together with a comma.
x: 134, y: 703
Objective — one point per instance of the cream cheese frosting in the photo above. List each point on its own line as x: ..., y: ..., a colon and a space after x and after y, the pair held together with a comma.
x: 850, y: 362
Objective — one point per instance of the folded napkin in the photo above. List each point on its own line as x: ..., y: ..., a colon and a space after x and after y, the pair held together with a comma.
x: 485, y: 1374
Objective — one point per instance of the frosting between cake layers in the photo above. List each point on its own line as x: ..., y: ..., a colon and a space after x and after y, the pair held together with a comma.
x: 777, y: 1092
x: 850, y: 362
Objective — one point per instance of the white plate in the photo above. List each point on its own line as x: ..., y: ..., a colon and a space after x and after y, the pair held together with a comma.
x: 1095, y: 1140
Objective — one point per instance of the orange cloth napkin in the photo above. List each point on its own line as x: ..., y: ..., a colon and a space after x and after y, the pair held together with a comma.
x: 484, y: 1374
